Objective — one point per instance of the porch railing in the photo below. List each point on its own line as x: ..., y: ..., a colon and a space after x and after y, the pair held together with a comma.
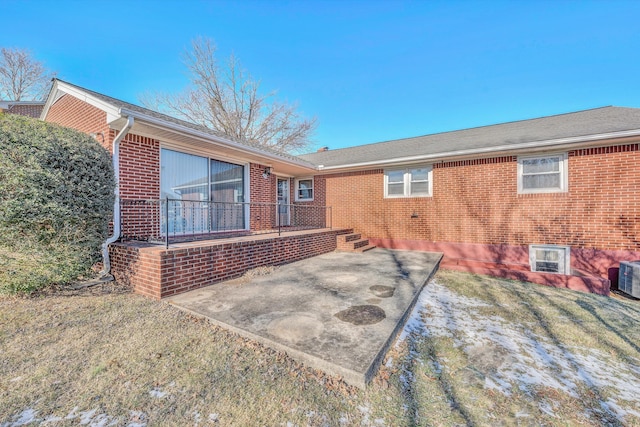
x: 170, y: 220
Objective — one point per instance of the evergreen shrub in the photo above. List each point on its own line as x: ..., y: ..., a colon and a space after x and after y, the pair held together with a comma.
x: 56, y: 201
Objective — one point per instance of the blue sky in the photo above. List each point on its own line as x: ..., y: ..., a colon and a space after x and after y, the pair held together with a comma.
x: 369, y: 70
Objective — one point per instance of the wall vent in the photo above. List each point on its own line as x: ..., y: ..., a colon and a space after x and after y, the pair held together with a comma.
x: 550, y: 259
x: 629, y: 278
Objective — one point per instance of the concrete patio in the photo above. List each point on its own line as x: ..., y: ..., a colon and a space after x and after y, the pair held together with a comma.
x: 336, y: 312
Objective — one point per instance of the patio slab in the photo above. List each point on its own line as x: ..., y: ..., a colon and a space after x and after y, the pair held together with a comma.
x: 336, y: 312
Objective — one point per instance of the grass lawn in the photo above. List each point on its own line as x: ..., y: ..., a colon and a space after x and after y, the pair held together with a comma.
x: 476, y: 351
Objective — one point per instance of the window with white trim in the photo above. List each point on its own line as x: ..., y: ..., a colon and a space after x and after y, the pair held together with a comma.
x: 543, y: 174
x: 550, y: 259
x: 408, y: 182
x: 304, y: 190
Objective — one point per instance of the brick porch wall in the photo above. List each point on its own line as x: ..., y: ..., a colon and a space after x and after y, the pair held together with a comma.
x: 157, y: 272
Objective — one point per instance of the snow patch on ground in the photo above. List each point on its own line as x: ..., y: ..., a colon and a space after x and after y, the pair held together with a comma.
x: 86, y: 418
x: 25, y: 417
x: 157, y: 393
x: 529, y: 360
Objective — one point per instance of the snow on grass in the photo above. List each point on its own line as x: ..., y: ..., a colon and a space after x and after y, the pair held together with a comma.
x: 85, y: 418
x: 24, y: 418
x: 530, y: 360
x: 157, y: 393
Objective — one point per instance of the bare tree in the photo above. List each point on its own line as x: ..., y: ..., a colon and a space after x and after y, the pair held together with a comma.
x: 227, y: 99
x: 22, y: 78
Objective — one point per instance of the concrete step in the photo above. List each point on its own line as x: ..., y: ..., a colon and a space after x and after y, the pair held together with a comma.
x: 365, y: 248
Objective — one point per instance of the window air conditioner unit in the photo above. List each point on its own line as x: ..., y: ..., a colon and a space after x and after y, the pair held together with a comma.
x: 629, y: 278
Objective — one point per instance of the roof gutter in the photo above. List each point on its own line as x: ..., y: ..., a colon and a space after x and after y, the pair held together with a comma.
x: 116, y: 203
x: 538, y: 145
x: 208, y: 137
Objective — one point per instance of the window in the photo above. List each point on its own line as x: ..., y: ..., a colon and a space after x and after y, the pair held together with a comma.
x: 550, y: 259
x: 192, y: 183
x: 544, y: 174
x: 410, y: 182
x: 304, y: 189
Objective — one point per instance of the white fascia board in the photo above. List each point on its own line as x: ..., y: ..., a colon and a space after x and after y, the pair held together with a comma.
x: 555, y: 144
x: 50, y: 100
x: 245, y: 149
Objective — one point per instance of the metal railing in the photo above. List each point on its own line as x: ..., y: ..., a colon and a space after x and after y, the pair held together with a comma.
x: 172, y: 220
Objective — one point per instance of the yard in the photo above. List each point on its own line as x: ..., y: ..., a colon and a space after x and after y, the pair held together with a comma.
x: 476, y: 351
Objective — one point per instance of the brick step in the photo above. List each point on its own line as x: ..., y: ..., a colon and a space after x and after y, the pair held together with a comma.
x: 360, y: 243
x: 344, y: 231
x: 349, y: 237
x: 353, y: 242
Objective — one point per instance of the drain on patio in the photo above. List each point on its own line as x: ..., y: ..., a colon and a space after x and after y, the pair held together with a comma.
x: 362, y: 315
x: 382, y: 291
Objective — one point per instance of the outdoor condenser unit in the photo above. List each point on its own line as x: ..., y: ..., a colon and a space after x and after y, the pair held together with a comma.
x: 629, y: 278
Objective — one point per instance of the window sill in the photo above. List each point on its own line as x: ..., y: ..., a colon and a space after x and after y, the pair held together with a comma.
x: 407, y: 197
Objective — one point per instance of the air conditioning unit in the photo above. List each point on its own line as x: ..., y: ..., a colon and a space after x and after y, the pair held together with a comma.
x: 629, y: 278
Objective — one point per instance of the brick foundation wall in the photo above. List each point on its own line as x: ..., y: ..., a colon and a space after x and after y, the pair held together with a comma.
x: 157, y: 272
x: 136, y: 269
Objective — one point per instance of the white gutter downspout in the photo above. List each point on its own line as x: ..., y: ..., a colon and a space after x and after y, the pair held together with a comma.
x: 116, y: 204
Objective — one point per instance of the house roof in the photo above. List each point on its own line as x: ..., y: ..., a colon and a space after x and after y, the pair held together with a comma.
x: 117, y: 108
x: 550, y: 132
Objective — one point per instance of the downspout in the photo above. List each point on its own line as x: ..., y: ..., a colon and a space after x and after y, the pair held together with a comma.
x: 106, y: 270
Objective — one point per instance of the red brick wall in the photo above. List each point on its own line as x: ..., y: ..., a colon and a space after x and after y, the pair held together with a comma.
x: 310, y: 213
x: 71, y: 112
x: 263, y: 191
x: 158, y: 273
x: 138, y: 270
x: 29, y: 110
x: 476, y: 201
x: 139, y: 167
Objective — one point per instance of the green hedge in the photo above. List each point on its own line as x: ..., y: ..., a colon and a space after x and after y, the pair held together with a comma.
x: 56, y: 201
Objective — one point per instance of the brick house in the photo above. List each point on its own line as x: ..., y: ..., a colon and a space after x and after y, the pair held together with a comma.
x: 552, y: 194
x: 182, y: 184
x: 22, y: 108
x: 551, y: 200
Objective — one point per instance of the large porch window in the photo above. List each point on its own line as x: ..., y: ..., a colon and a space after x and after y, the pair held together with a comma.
x: 204, y: 195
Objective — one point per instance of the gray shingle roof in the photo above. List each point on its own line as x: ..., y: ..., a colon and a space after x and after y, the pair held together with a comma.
x: 581, y: 123
x: 148, y: 112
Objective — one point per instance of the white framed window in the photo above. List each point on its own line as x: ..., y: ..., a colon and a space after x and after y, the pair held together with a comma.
x: 408, y: 182
x: 543, y: 174
x: 304, y: 189
x: 550, y: 259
